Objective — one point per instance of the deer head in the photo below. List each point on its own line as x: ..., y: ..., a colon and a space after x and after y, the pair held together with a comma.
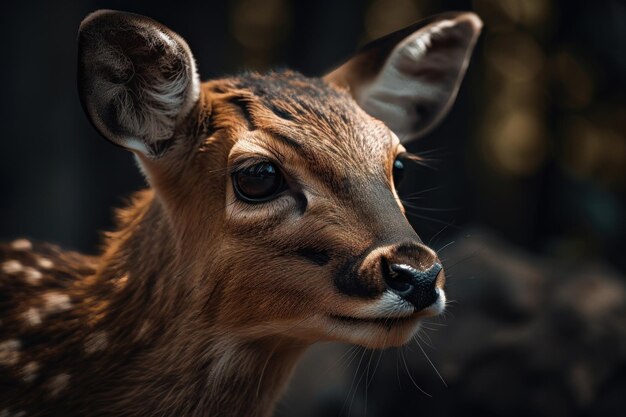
x: 280, y: 189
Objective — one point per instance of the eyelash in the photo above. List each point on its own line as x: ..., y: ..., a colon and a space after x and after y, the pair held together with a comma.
x: 248, y: 162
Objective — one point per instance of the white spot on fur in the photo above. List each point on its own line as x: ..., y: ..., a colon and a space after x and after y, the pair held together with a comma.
x: 12, y: 267
x: 96, y: 342
x: 55, y: 302
x: 29, y: 371
x: 32, y: 316
x: 21, y: 244
x: 45, y: 263
x: 32, y: 276
x: 121, y: 281
x: 10, y: 352
x: 58, y: 384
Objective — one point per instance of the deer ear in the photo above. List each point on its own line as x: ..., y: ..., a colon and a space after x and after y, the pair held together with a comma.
x: 410, y: 78
x: 136, y: 79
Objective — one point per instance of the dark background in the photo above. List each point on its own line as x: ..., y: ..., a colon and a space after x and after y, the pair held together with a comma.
x: 533, y: 153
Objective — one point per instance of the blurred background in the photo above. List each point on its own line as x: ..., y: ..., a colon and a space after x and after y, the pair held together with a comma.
x: 523, y: 192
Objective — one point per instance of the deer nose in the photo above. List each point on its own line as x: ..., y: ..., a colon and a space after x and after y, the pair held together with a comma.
x: 419, y: 287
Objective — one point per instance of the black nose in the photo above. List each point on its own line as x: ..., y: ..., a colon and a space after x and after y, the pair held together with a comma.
x: 417, y: 287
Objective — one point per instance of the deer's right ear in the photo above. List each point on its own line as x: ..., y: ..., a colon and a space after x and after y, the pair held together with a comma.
x: 136, y: 79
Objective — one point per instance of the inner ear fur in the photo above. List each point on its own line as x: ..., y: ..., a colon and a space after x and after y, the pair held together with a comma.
x: 136, y: 79
x: 410, y: 78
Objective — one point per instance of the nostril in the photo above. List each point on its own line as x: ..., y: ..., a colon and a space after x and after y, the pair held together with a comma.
x: 402, y: 288
x: 399, y: 284
x: 397, y: 279
x: 416, y: 286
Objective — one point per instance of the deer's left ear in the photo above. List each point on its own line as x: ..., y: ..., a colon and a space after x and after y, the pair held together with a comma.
x: 410, y: 78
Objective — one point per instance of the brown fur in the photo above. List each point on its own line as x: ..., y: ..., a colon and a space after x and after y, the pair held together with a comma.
x: 177, y: 302
x: 200, y: 304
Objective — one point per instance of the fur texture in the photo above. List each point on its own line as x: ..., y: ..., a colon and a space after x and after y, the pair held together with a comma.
x: 200, y: 304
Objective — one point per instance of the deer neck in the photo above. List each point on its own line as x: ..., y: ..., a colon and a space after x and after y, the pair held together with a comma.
x: 176, y: 357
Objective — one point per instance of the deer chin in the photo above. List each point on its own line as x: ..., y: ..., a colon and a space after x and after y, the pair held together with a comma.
x: 374, y: 333
x: 386, y: 322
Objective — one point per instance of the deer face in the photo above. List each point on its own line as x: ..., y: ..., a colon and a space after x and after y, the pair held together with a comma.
x: 280, y: 189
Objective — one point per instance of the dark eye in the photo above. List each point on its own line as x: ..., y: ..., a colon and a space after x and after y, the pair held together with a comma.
x: 398, y: 171
x: 258, y: 183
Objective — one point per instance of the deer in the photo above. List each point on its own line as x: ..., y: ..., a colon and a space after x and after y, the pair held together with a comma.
x: 271, y: 222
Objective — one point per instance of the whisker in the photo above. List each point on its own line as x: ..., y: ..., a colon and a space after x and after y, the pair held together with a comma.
x: 258, y: 388
x: 443, y: 152
x: 352, y: 385
x: 431, y: 209
x: 445, y: 246
x: 432, y: 219
x: 420, y: 192
x: 433, y: 239
x: 367, y: 379
x: 432, y: 364
x: 356, y: 387
x: 398, y: 369
x: 430, y: 323
x: 406, y: 367
x: 466, y: 258
x: 421, y: 336
x: 347, y: 354
x: 430, y: 329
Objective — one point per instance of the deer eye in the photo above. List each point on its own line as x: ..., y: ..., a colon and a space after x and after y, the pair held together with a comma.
x: 398, y: 171
x: 258, y: 183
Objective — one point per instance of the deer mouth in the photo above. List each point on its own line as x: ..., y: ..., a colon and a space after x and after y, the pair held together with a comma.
x: 380, y: 321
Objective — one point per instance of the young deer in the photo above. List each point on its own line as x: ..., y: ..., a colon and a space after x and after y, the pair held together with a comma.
x: 272, y: 222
